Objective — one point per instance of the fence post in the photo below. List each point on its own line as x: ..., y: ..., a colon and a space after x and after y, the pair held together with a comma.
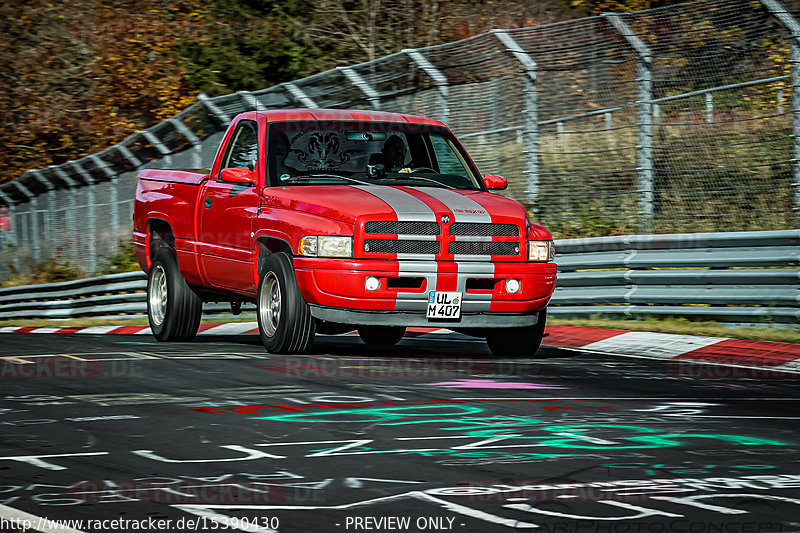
x: 298, y: 95
x: 12, y: 228
x: 113, y: 196
x: 644, y: 79
x: 355, y: 78
x: 71, y: 209
x: 156, y: 142
x: 439, y: 79
x: 91, y: 206
x: 193, y: 139
x: 531, y: 117
x: 34, y: 207
x: 209, y: 103
x: 51, y: 209
x: 791, y: 23
x: 250, y: 100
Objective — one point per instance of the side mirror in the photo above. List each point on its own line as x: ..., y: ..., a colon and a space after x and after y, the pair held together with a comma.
x: 494, y: 182
x: 239, y: 175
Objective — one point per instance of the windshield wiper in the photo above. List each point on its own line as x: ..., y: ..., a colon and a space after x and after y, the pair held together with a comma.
x: 419, y: 178
x: 312, y: 177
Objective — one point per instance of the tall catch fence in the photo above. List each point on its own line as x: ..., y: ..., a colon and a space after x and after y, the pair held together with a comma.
x: 676, y: 119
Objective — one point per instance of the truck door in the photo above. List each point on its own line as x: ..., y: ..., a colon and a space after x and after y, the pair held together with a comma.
x: 227, y: 211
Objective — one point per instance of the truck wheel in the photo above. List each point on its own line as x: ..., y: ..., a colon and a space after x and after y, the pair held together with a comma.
x: 517, y: 342
x: 284, y: 319
x: 381, y: 335
x: 173, y: 308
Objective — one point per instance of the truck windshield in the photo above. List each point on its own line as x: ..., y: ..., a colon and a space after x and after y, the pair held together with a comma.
x: 374, y: 153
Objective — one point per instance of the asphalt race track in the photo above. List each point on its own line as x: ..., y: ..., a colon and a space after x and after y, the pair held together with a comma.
x: 430, y: 435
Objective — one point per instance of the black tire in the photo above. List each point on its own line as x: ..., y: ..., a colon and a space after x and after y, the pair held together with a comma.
x: 517, y: 342
x: 381, y: 335
x: 173, y: 308
x: 284, y: 318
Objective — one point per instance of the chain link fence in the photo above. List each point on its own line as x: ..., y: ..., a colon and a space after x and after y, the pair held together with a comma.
x: 675, y: 119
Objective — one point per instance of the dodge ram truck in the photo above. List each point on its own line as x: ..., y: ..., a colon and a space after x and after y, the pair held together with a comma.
x: 332, y: 221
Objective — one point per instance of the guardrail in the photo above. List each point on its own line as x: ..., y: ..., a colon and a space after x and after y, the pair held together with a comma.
x: 114, y: 296
x: 743, y: 277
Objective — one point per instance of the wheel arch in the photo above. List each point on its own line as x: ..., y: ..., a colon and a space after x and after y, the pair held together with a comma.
x: 159, y: 234
x: 266, y: 246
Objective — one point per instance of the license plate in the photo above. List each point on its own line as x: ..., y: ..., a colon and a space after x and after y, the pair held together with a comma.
x: 444, y: 305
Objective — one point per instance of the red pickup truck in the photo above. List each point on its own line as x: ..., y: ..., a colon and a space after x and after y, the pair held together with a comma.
x: 333, y: 221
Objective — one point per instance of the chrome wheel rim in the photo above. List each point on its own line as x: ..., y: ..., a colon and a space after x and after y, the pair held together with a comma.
x: 158, y: 295
x: 269, y: 304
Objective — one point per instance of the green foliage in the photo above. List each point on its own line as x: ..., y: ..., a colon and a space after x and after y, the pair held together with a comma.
x: 122, y: 261
x: 50, y: 271
x: 273, y: 46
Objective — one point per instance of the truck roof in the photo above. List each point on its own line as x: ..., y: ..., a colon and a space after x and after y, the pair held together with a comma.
x: 276, y: 115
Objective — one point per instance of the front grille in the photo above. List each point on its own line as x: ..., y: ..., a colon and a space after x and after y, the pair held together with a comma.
x: 394, y: 227
x: 383, y: 246
x: 484, y: 248
x: 484, y: 230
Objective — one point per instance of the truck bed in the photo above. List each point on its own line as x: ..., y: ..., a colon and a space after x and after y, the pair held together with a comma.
x: 169, y: 195
x: 188, y: 176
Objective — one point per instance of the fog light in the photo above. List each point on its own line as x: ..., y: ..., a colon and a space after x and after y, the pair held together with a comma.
x: 512, y: 286
x: 372, y: 283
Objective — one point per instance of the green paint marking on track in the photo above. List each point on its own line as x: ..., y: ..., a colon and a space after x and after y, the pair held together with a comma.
x: 498, y: 427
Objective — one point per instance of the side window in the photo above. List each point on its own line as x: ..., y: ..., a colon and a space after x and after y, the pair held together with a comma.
x: 243, y: 151
x: 448, y: 159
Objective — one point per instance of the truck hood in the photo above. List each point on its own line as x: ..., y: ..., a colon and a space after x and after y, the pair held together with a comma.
x: 348, y: 203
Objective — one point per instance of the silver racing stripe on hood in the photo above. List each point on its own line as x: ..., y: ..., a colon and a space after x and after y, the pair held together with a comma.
x: 406, y: 206
x: 464, y: 209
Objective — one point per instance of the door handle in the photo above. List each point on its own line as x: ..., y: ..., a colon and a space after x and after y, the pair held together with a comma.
x: 208, y: 202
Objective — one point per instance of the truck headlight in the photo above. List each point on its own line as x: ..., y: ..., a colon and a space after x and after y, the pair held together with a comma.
x: 543, y: 251
x: 326, y: 246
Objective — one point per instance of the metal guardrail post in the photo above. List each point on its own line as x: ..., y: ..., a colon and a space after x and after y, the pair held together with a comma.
x: 791, y: 23
x: 531, y: 117
x: 113, y: 196
x: 439, y: 79
x: 298, y: 95
x: 12, y: 227
x: 645, y: 118
x: 355, y: 78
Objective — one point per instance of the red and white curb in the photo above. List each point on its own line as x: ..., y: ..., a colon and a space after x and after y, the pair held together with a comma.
x: 768, y: 355
x: 777, y: 356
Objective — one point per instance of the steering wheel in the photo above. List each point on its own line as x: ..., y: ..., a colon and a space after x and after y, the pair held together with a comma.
x: 423, y: 169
